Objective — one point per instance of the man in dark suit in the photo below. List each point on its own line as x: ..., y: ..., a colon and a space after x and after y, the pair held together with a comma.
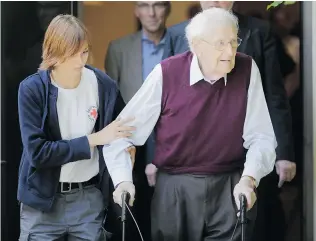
x: 258, y: 42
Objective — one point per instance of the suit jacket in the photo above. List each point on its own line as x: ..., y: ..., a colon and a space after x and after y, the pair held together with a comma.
x: 123, y: 63
x: 260, y: 44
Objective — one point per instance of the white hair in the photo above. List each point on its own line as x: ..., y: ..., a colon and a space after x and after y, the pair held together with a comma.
x: 206, y: 21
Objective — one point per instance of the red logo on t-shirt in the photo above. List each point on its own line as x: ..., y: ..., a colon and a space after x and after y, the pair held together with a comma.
x: 93, y: 113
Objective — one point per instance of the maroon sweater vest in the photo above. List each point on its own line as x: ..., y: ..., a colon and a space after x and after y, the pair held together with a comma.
x: 200, y: 127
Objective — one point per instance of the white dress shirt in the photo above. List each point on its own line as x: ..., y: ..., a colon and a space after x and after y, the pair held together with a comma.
x: 145, y: 106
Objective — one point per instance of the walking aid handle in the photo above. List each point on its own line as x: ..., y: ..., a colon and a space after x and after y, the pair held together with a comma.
x: 243, y: 215
x: 125, y: 198
x: 243, y: 208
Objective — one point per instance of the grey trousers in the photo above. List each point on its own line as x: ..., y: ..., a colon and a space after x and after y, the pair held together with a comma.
x: 77, y: 215
x: 196, y: 208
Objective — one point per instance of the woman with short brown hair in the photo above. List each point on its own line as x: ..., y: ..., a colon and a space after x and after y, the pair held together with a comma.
x: 66, y: 113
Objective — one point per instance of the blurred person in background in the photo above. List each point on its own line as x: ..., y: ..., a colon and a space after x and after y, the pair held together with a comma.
x: 289, y: 36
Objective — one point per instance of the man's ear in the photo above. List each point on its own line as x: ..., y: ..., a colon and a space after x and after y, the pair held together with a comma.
x: 194, y: 43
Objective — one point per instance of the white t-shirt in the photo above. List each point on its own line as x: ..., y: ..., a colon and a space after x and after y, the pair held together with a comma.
x: 77, y: 111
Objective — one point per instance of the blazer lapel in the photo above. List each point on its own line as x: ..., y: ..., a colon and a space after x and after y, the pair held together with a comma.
x: 244, y: 33
x: 169, y: 49
x: 135, y: 60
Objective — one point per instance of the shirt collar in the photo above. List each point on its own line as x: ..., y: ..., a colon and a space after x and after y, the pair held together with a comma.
x: 196, y: 73
x: 162, y: 41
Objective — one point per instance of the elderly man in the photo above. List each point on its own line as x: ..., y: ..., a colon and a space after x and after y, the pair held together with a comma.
x: 259, y: 43
x: 206, y: 106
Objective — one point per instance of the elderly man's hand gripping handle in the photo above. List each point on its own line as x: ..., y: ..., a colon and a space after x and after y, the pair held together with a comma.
x: 245, y: 186
x: 126, y: 186
x: 120, y: 189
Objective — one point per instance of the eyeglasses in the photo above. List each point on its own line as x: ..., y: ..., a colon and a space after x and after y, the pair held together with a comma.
x: 221, y: 44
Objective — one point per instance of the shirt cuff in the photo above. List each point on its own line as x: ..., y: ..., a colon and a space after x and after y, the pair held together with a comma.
x: 121, y: 175
x: 252, y: 173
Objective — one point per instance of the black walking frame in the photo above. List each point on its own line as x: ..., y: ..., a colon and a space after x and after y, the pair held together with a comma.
x: 242, y: 216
